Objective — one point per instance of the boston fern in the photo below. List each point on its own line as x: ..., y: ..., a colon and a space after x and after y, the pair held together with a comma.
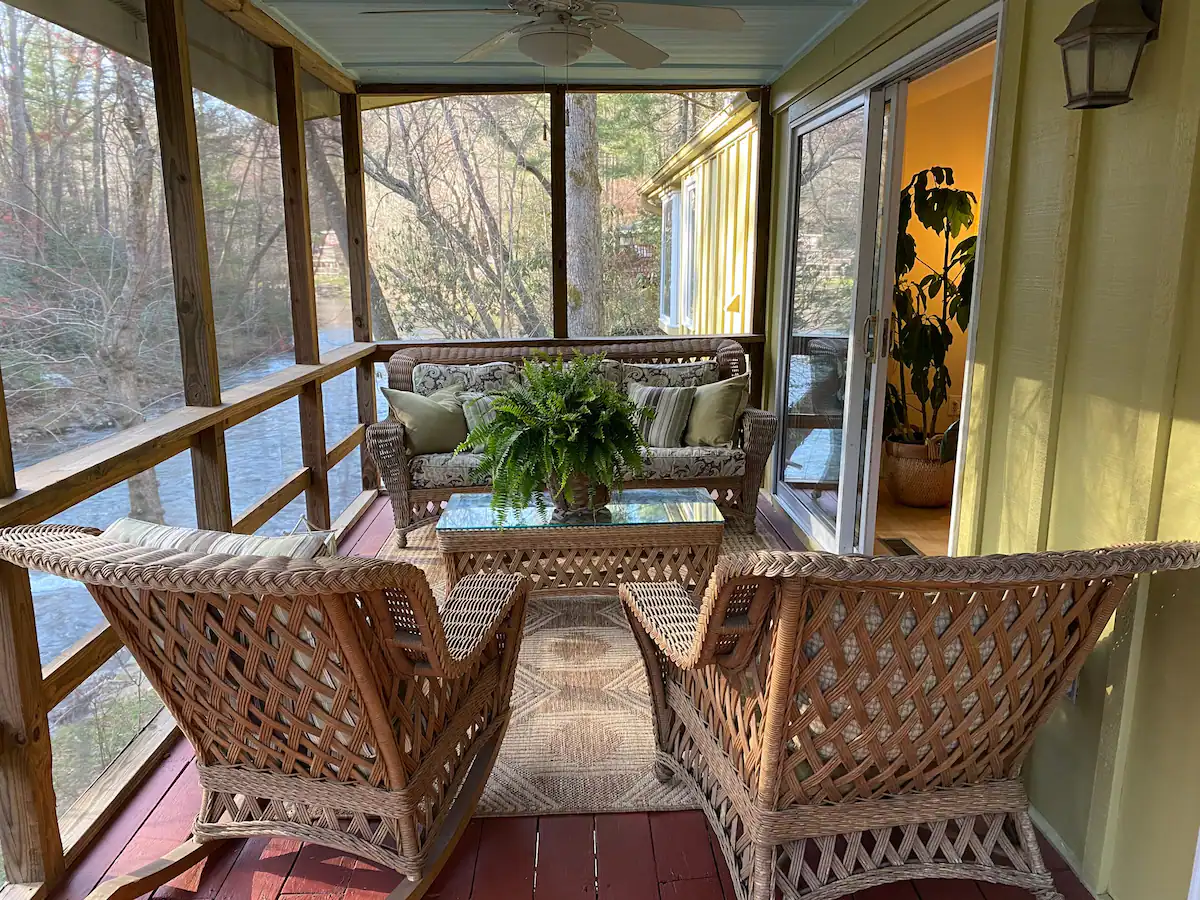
x: 564, y: 421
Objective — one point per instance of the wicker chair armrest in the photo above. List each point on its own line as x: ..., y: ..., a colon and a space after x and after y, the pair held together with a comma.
x: 758, y: 432
x: 758, y: 439
x: 386, y: 444
x: 400, y: 369
x: 671, y: 617
x: 473, y: 613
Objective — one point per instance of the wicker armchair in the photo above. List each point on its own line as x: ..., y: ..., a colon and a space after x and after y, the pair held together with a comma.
x: 413, y: 506
x: 328, y: 700
x: 847, y: 722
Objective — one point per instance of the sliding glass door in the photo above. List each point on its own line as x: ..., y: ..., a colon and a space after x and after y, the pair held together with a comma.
x: 828, y: 362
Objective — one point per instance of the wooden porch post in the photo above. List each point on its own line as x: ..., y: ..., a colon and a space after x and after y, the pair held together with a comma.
x: 360, y: 280
x: 298, y: 231
x: 558, y: 206
x: 29, y: 835
x: 167, y: 32
x: 762, y: 239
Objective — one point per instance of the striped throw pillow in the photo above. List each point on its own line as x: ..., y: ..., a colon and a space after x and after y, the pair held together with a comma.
x: 197, y: 540
x: 478, y: 410
x: 662, y: 413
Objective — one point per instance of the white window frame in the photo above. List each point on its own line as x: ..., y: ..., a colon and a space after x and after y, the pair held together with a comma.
x: 686, y: 240
x: 668, y: 291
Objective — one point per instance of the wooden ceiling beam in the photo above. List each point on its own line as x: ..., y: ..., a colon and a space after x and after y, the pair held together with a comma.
x: 256, y: 22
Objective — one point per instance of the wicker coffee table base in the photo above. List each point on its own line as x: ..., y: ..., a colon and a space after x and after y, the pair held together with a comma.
x: 587, y: 559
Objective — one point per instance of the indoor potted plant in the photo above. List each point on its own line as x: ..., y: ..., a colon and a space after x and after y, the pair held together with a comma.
x: 929, y: 296
x: 565, y: 431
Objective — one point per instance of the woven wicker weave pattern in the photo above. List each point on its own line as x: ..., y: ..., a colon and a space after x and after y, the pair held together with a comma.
x: 328, y: 700
x: 413, y: 507
x: 850, y: 721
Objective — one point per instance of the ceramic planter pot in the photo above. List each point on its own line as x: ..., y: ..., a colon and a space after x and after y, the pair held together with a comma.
x: 916, y: 476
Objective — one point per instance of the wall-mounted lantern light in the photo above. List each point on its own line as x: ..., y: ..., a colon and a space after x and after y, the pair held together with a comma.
x: 1102, y: 47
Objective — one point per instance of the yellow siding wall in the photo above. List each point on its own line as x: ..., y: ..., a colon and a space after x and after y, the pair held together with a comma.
x: 1085, y: 406
x: 726, y: 185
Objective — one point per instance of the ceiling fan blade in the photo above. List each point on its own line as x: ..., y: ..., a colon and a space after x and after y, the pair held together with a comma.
x: 666, y: 15
x: 628, y: 48
x: 440, y: 12
x: 488, y: 46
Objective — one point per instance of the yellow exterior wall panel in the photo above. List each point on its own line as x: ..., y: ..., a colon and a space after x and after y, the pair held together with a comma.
x: 1085, y: 400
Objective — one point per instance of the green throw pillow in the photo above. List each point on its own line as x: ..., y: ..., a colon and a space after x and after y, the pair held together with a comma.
x: 433, y: 424
x: 715, y: 412
x: 668, y: 412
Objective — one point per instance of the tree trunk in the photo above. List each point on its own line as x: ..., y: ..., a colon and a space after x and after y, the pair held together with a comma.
x: 585, y: 300
x: 121, y: 355
x: 99, y: 158
x: 22, y: 189
x: 383, y: 327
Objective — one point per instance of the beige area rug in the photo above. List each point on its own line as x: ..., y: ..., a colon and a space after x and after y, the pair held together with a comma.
x: 581, y: 739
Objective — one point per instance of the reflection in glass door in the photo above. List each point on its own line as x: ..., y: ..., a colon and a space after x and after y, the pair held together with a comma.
x: 823, y: 365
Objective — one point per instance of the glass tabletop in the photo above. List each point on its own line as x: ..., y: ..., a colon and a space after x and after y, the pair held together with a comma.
x: 651, y: 506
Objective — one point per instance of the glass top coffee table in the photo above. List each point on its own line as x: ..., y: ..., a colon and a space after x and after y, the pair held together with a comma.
x: 664, y: 534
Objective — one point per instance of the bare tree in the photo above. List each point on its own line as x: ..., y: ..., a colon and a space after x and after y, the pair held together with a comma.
x: 585, y: 299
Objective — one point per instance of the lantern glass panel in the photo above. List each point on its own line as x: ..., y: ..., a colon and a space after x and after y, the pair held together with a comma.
x: 1076, y: 58
x: 1116, y: 58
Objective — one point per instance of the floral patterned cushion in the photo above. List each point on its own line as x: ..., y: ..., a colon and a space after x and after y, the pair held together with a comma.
x: 678, y: 463
x: 610, y: 370
x: 449, y: 470
x: 692, y: 374
x: 445, y: 470
x: 487, y: 378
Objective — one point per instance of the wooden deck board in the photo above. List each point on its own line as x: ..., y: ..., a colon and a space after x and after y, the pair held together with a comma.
x: 505, y: 865
x: 165, y: 828
x: 566, y: 863
x: 681, y: 847
x: 633, y: 856
x: 625, y: 858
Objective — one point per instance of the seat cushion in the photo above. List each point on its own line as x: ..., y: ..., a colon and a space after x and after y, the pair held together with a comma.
x: 197, y: 540
x: 679, y: 463
x: 449, y: 470
x: 445, y: 470
x: 485, y: 378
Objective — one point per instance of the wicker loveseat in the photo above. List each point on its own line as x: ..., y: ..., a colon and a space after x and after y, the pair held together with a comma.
x: 847, y: 722
x: 418, y: 485
x: 329, y: 700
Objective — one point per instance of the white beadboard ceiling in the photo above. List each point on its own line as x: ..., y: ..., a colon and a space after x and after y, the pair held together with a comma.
x: 422, y: 49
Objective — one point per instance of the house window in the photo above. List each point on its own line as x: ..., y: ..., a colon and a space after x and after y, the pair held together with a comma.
x: 668, y: 293
x: 686, y: 275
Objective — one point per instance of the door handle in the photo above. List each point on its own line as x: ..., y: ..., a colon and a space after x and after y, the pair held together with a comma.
x: 868, y: 335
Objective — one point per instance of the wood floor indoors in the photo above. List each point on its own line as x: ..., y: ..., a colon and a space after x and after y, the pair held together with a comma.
x: 633, y: 856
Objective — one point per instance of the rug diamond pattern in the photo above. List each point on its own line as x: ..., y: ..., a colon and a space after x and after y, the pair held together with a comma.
x: 581, y: 739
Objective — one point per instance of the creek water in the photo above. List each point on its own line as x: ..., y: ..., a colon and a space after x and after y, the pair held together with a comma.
x: 262, y: 452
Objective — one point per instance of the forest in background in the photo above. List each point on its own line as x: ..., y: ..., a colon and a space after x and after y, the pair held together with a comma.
x: 459, y: 212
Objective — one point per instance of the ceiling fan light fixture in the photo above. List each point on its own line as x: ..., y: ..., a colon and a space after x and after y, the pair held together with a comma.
x: 555, y: 46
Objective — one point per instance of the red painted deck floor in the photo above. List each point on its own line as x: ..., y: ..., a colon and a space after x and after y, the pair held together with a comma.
x: 636, y: 856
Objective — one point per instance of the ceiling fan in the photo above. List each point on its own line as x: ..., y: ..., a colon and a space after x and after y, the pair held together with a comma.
x: 564, y: 31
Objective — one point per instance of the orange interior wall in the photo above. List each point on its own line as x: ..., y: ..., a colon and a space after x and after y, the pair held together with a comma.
x: 947, y: 125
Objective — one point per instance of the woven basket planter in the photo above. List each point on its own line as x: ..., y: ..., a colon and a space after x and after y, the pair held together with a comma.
x: 916, y: 476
